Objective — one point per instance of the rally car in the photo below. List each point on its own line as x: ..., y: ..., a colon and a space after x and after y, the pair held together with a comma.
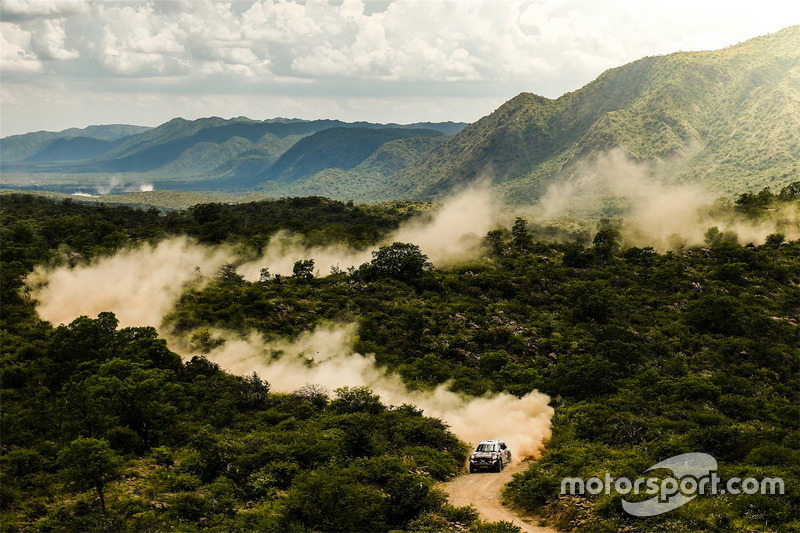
x: 490, y: 455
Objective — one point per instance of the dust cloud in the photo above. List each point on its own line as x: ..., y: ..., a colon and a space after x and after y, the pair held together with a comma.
x: 451, y: 234
x: 324, y: 357
x: 139, y: 285
x: 115, y: 184
x: 654, y: 210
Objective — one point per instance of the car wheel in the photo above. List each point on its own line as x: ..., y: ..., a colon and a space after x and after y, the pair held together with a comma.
x: 499, y: 467
x: 471, y: 469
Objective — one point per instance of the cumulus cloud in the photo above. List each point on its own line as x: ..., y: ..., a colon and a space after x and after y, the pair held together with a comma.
x: 333, y: 50
x: 49, y: 41
x: 14, y: 10
x: 15, y: 50
x: 410, y: 40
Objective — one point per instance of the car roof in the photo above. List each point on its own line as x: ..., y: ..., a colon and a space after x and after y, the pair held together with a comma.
x: 493, y: 441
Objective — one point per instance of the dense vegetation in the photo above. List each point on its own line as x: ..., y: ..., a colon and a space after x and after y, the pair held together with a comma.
x: 104, y: 429
x: 645, y: 356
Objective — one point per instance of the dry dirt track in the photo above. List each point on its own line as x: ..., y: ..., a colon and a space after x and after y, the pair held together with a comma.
x: 483, y: 491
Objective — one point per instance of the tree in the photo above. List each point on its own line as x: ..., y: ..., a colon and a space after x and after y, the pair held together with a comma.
x: 303, y: 269
x: 227, y: 274
x: 90, y: 463
x: 520, y: 236
x: 400, y: 261
x: 495, y: 240
x: 775, y: 239
x: 607, y: 241
x: 356, y: 400
x: 713, y: 236
x: 326, y: 500
x: 137, y: 397
x: 790, y: 192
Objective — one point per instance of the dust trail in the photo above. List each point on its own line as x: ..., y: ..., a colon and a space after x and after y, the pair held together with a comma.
x: 324, y: 357
x: 653, y: 209
x: 452, y: 234
x: 139, y: 285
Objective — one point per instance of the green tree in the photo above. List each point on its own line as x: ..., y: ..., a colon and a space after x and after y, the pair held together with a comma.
x: 356, y: 400
x: 303, y: 269
x: 496, y: 240
x: 90, y: 463
x: 713, y: 236
x: 326, y: 500
x: 400, y: 261
x: 520, y: 236
x: 138, y: 397
x: 775, y: 239
x: 607, y: 240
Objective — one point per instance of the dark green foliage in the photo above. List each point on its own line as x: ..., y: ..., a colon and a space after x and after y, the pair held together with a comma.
x: 645, y: 355
x: 399, y: 261
x: 224, y: 442
x: 90, y: 463
x: 303, y: 269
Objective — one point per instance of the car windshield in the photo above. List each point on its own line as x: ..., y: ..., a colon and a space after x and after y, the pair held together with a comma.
x: 487, y: 447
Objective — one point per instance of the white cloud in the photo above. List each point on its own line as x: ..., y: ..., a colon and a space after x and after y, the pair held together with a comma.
x: 27, y: 9
x: 15, y: 53
x: 332, y: 51
x: 138, y: 41
x: 48, y: 40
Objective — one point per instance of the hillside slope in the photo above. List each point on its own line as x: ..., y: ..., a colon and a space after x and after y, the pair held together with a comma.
x: 732, y: 115
x: 28, y: 145
x: 214, y: 154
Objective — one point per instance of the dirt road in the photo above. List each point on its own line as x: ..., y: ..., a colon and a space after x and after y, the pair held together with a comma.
x: 483, y: 491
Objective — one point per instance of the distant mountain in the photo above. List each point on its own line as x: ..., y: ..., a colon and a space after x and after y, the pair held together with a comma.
x: 71, y: 149
x: 366, y: 181
x: 342, y: 148
x: 28, y: 145
x: 732, y: 116
x: 215, y: 153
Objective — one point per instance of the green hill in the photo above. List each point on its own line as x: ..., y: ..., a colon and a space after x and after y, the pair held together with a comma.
x: 209, y: 154
x: 732, y: 115
x: 342, y: 148
x: 370, y: 179
x: 29, y: 145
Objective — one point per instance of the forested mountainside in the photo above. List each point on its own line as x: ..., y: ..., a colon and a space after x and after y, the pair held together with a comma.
x: 644, y: 355
x: 730, y: 117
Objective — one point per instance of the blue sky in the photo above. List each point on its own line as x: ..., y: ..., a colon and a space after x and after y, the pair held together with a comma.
x: 67, y: 63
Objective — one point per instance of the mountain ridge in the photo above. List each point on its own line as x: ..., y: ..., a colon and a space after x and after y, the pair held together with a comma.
x: 711, y: 107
